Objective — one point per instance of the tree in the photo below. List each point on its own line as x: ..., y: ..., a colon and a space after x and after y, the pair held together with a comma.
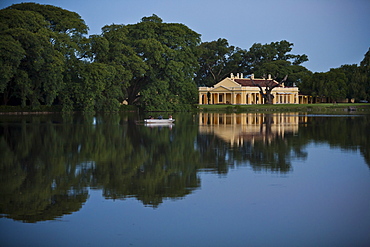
x: 269, y: 86
x: 336, y: 84
x: 11, y: 55
x: 280, y: 68
x: 32, y: 59
x: 347, y: 81
x: 366, y: 61
x: 41, y: 41
x: 275, y: 59
x: 217, y: 59
x: 356, y: 81
x: 158, y: 60
x: 112, y: 48
x: 259, y: 54
x: 365, y: 71
x: 331, y: 84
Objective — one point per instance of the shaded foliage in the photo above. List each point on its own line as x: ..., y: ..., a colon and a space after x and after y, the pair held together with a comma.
x: 41, y: 41
x: 347, y: 81
x: 158, y: 58
x: 48, y: 60
x: 217, y: 59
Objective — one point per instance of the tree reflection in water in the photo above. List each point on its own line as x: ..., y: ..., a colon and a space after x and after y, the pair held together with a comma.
x: 50, y: 161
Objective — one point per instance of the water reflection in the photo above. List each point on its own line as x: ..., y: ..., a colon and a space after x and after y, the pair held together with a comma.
x: 249, y: 127
x: 49, y: 161
x: 263, y: 140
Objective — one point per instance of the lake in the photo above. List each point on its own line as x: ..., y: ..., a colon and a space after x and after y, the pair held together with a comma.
x: 211, y: 179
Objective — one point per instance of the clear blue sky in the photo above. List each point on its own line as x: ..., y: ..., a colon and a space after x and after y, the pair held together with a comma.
x: 331, y: 32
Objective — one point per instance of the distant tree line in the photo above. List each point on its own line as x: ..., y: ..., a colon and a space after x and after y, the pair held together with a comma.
x: 347, y: 81
x: 47, y: 59
x: 218, y: 59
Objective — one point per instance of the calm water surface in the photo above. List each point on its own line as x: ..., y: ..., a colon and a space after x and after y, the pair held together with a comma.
x: 284, y: 179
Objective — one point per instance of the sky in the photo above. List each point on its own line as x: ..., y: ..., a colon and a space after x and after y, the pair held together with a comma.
x: 330, y: 32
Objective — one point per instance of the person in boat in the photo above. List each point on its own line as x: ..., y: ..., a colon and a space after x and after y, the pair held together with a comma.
x: 170, y: 117
x: 160, y: 117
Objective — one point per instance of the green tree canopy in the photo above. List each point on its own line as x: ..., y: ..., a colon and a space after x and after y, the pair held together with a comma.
x: 356, y: 81
x: 259, y: 54
x: 281, y: 68
x: 38, y: 43
x: 217, y: 59
x: 365, y: 71
x: 157, y: 61
x: 275, y: 59
x: 331, y: 84
x: 347, y: 81
x: 34, y: 72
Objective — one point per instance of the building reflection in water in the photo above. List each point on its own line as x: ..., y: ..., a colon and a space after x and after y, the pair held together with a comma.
x: 237, y: 128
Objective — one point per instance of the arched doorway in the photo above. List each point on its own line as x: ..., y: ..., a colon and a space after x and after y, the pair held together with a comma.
x: 238, y: 99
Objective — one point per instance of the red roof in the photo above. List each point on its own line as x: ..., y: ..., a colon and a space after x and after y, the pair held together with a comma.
x: 246, y: 82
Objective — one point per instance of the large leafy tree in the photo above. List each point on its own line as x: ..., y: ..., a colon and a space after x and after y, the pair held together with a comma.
x: 347, y: 81
x: 11, y: 55
x: 259, y: 54
x: 280, y: 68
x: 31, y: 67
x: 365, y: 70
x: 41, y: 43
x: 68, y: 28
x: 336, y: 84
x: 331, y: 84
x: 356, y: 81
x: 275, y: 59
x: 157, y: 60
x: 217, y: 59
x: 269, y: 85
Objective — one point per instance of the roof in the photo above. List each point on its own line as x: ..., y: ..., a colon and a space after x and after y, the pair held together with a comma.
x: 246, y: 82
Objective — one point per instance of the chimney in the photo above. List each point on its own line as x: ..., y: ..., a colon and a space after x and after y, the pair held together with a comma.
x: 252, y: 76
x: 231, y: 75
x: 237, y: 75
x: 269, y: 77
x: 241, y: 75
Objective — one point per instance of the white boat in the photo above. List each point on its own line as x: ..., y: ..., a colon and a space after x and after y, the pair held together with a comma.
x: 159, y: 125
x: 159, y: 121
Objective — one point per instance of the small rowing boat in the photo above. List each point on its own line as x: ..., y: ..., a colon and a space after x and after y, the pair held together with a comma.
x: 159, y: 121
x: 159, y: 125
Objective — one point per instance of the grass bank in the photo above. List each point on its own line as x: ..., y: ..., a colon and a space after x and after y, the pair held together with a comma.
x: 314, y: 108
x: 43, y: 109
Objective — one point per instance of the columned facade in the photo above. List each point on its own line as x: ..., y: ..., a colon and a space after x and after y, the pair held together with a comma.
x: 241, y: 91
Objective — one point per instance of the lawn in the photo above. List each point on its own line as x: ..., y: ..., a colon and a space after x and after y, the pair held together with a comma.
x: 329, y: 107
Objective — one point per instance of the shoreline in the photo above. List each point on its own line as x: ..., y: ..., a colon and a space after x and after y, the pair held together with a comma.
x: 320, y: 107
